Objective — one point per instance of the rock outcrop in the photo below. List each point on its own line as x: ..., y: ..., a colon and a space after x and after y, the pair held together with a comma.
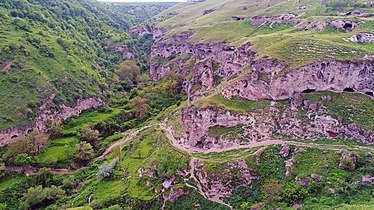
x: 327, y: 75
x: 344, y: 25
x: 348, y: 160
x: 362, y: 38
x: 47, y: 115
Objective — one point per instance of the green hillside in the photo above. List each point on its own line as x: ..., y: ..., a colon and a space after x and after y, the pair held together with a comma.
x: 209, y: 105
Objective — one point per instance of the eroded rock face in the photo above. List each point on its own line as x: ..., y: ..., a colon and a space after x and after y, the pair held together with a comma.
x: 344, y: 25
x: 47, y: 115
x: 175, y: 194
x: 218, y: 185
x: 198, y: 122
x: 327, y: 75
x: 229, y: 59
x: 261, y: 124
x: 362, y: 38
x: 284, y: 18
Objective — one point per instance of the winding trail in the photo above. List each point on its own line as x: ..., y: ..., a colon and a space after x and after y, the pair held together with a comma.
x: 28, y: 171
x: 190, y: 150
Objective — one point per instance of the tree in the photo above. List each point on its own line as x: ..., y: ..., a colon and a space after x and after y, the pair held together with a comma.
x: 37, y: 197
x: 84, y: 151
x: 38, y: 141
x: 139, y: 106
x: 106, y: 168
x: 128, y: 69
x: 89, y: 135
x: 56, y: 129
x: 31, y: 144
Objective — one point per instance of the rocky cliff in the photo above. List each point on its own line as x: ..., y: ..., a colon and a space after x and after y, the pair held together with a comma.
x: 47, y: 115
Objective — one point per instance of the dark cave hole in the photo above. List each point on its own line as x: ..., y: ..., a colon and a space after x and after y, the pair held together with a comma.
x: 13, y: 137
x: 369, y: 93
x: 349, y: 90
x: 309, y: 91
x: 348, y: 25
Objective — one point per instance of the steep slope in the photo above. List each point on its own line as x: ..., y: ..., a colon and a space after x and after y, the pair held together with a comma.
x: 57, y: 58
x: 240, y: 53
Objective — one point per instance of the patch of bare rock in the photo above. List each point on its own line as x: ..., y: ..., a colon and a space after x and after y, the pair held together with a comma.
x: 48, y: 115
x: 361, y: 38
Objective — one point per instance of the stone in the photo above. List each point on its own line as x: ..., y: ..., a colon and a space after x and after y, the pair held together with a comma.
x: 348, y: 160
x: 303, y: 182
x: 208, y: 11
x: 325, y: 167
x: 332, y: 190
x: 297, y: 206
x: 285, y: 151
x: 344, y: 25
x: 367, y: 180
x: 316, y: 177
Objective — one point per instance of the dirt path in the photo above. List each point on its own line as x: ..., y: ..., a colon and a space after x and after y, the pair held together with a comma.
x: 189, y: 149
x: 34, y: 170
x: 169, y: 134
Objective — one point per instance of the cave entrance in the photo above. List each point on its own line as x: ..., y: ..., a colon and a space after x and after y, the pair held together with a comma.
x: 309, y: 91
x: 350, y: 90
x: 370, y: 94
x: 347, y: 25
x: 14, y: 136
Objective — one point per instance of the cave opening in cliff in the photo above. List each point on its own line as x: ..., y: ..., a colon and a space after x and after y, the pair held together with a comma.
x: 14, y: 136
x: 350, y: 90
x: 369, y: 93
x: 347, y: 25
x: 309, y: 90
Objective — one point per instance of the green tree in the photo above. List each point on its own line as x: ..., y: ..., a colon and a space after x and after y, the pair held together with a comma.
x: 89, y: 135
x: 56, y: 129
x: 139, y: 106
x: 128, y: 69
x: 106, y: 169
x: 84, y: 151
x: 31, y: 144
x: 37, y: 197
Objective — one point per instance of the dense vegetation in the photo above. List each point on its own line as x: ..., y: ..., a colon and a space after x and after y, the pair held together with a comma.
x: 67, y: 48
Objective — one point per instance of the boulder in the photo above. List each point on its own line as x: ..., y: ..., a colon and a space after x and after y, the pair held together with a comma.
x: 285, y: 151
x: 348, y: 160
x: 367, y: 180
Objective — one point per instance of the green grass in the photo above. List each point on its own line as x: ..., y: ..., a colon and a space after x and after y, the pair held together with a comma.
x: 237, y: 104
x: 59, y: 152
x: 81, y: 208
x: 88, y: 118
x: 11, y: 181
x: 151, y: 147
x: 226, y: 132
x: 107, y: 189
